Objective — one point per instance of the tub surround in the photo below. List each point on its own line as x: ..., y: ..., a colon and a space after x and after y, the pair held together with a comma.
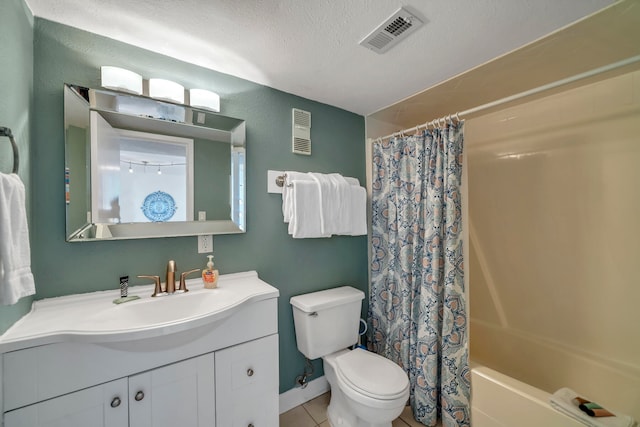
x: 553, y: 210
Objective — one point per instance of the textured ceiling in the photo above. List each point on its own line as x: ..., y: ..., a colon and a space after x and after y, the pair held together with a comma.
x: 310, y: 47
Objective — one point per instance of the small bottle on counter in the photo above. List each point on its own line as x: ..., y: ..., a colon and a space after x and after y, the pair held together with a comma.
x: 209, y: 275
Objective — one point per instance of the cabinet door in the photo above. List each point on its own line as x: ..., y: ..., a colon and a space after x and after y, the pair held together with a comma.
x: 100, y: 406
x: 247, y: 384
x: 181, y: 394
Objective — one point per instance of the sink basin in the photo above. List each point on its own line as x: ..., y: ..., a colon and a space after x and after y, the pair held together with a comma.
x: 94, y: 318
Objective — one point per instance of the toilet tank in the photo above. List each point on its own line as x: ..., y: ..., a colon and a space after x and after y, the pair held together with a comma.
x: 326, y: 321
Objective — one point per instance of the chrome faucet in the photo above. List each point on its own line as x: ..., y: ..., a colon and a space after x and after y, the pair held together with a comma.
x: 170, y: 281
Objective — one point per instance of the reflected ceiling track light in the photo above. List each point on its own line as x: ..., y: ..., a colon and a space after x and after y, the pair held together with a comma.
x: 146, y: 163
x: 124, y: 80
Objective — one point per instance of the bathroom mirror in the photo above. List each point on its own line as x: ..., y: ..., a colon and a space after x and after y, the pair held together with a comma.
x: 137, y: 167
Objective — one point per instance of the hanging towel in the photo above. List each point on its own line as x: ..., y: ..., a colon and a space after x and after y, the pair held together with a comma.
x: 305, y: 216
x: 16, y: 280
x: 561, y: 401
x: 349, y: 214
x: 287, y: 192
x: 358, y: 211
x: 335, y: 203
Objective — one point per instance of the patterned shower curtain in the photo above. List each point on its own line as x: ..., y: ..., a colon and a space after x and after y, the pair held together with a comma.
x: 417, y: 307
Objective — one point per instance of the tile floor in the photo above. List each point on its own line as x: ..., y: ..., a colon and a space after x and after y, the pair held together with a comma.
x: 314, y: 414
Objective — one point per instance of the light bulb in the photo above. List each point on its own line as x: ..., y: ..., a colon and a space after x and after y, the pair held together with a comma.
x: 167, y: 90
x: 121, y: 79
x: 201, y: 98
x: 130, y: 168
x: 159, y: 171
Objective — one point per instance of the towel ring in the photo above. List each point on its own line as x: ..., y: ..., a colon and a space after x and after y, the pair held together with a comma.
x: 4, y: 131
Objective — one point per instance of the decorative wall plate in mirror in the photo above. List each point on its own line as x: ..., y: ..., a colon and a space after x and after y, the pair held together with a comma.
x: 122, y: 148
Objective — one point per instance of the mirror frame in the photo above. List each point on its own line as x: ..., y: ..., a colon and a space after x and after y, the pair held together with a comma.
x: 210, y: 125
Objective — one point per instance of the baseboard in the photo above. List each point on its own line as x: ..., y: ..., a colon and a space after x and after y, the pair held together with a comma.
x: 298, y: 395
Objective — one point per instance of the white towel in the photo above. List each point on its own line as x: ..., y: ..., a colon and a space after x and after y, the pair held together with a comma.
x: 561, y: 401
x: 358, y: 211
x: 287, y: 190
x: 305, y: 216
x: 335, y: 205
x: 16, y: 280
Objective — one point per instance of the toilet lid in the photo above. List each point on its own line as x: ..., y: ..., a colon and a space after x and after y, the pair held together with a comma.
x: 372, y: 374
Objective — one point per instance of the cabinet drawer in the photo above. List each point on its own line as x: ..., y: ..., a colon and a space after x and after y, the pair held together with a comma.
x: 251, y: 364
x: 254, y: 408
x: 247, y: 384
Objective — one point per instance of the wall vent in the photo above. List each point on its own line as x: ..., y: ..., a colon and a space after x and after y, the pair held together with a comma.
x: 392, y: 31
x: 301, y: 132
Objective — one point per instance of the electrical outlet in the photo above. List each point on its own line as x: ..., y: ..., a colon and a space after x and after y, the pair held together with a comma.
x: 205, y: 244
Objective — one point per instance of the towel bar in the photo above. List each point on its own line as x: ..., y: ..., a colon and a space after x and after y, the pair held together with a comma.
x: 281, y: 179
x: 4, y: 131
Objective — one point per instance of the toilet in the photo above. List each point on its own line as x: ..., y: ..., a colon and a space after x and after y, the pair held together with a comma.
x: 367, y: 390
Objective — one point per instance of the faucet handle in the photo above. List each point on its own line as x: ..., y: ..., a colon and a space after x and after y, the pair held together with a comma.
x: 158, y: 288
x: 183, y: 276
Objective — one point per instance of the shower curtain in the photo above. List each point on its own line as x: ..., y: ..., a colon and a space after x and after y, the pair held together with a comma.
x: 417, y: 306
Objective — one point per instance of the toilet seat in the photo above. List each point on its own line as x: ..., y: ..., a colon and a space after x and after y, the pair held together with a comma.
x: 372, y: 376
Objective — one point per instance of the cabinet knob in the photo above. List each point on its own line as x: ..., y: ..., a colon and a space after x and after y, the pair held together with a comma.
x: 115, y: 402
x: 250, y: 425
x: 250, y: 373
x: 139, y: 396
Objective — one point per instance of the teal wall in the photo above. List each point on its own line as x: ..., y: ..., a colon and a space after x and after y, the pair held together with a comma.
x: 211, y: 172
x: 16, y: 81
x: 63, y: 54
x: 77, y: 160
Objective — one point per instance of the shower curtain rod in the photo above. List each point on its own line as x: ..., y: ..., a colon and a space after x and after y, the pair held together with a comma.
x: 517, y: 96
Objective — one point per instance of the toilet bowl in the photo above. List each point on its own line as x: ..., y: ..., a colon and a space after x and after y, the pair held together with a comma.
x: 367, y: 390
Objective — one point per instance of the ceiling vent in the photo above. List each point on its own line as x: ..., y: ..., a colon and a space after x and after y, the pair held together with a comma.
x: 301, y: 132
x: 392, y: 31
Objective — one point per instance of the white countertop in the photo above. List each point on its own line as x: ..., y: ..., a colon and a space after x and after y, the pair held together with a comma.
x: 94, y: 318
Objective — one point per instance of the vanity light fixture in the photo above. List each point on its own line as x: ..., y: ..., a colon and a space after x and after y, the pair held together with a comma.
x: 206, y: 99
x: 166, y: 90
x: 121, y: 79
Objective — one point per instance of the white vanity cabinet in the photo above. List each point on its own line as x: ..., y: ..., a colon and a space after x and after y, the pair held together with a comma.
x: 219, y: 373
x: 180, y: 394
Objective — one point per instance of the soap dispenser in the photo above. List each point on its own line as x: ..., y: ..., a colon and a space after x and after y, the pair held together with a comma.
x: 209, y: 275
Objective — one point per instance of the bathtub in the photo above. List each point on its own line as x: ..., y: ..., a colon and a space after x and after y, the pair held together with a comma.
x: 501, y: 401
